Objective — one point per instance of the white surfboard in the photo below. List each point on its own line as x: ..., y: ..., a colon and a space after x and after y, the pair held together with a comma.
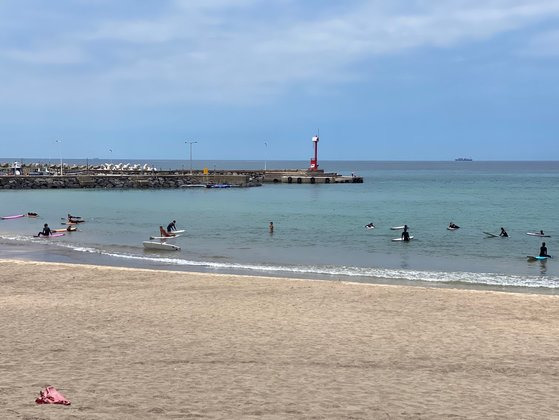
x: 161, y: 246
x: 164, y: 237
x: 400, y: 239
x: 398, y: 227
x: 538, y: 234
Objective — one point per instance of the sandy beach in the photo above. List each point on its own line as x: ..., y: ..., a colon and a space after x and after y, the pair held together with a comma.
x: 129, y: 343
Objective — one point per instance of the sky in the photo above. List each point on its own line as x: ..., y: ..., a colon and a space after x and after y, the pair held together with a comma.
x: 256, y: 79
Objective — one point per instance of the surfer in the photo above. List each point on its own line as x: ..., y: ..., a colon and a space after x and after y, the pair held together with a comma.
x: 32, y: 214
x: 541, y: 233
x: 370, y: 225
x: 406, y: 234
x: 46, y: 231
x: 543, y: 251
x: 504, y: 233
x: 271, y: 227
x: 164, y: 233
x: 171, y: 226
x: 453, y: 226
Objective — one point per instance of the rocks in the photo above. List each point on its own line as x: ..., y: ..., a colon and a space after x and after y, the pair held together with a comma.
x: 120, y: 181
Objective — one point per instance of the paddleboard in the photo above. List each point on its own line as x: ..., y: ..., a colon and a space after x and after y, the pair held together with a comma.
x: 398, y: 227
x: 400, y: 239
x: 538, y: 258
x: 17, y: 216
x: 538, y: 234
x: 52, y: 235
x: 164, y: 237
x: 161, y: 246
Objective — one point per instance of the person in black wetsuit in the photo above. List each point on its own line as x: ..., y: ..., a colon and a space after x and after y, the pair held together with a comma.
x: 543, y: 251
x: 171, y: 226
x: 453, y: 226
x: 46, y: 231
x: 406, y: 234
x: 504, y: 233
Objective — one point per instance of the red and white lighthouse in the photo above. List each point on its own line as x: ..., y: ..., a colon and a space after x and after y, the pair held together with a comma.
x: 314, y: 161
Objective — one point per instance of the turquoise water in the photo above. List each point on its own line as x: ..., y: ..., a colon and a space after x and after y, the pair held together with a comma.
x: 319, y: 229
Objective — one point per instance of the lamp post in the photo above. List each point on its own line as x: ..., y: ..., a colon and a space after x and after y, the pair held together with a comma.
x: 266, y: 155
x: 60, y: 149
x: 190, y: 143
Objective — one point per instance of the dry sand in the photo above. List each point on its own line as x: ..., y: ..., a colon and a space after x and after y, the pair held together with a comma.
x: 125, y: 343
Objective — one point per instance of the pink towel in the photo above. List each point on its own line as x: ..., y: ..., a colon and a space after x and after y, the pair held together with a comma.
x: 50, y: 395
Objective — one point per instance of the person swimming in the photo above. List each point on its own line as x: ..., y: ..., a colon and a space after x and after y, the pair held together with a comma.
x: 503, y: 233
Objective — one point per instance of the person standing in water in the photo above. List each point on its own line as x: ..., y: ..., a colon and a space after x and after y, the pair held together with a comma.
x: 543, y: 251
x: 406, y: 234
x: 271, y: 227
x: 504, y: 233
x: 171, y: 226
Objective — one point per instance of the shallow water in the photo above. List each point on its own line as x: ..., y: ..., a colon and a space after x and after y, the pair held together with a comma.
x: 319, y: 229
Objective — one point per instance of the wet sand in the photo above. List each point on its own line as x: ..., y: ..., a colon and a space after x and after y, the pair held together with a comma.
x: 131, y: 343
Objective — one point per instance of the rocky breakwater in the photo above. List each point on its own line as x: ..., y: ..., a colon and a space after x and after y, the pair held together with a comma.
x: 120, y: 181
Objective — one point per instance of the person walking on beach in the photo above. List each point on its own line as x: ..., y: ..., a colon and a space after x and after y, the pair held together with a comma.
x: 271, y: 227
x: 543, y: 251
x: 171, y: 226
x: 46, y: 231
x: 504, y: 233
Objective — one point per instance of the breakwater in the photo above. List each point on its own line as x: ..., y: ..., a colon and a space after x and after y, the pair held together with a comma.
x: 125, y: 181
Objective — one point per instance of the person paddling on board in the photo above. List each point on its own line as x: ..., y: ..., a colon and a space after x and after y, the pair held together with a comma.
x: 541, y: 233
x: 171, y: 226
x: 46, y: 231
x: 406, y: 234
x: 370, y: 225
x: 504, y: 233
x: 453, y: 226
x: 543, y: 251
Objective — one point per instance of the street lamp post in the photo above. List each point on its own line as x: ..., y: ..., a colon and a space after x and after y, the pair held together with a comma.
x: 190, y: 143
x: 266, y: 156
x: 60, y: 149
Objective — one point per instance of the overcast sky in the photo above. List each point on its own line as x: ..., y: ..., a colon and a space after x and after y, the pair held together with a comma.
x: 254, y: 79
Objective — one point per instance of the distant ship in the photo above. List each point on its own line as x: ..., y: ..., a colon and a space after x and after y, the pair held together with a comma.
x: 463, y: 159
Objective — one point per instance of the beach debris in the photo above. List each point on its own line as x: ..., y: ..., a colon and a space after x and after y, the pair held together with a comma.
x: 50, y: 395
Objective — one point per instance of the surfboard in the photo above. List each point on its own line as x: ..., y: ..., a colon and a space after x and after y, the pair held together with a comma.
x: 164, y: 237
x: 451, y: 228
x: 538, y: 234
x: 369, y: 227
x: 491, y: 235
x: 16, y: 216
x: 538, y: 258
x: 397, y: 227
x: 52, y: 235
x: 161, y: 246
x: 63, y: 230
x: 400, y: 239
x: 179, y: 231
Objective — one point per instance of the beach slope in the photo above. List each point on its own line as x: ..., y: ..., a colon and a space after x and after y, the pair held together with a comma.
x: 129, y: 343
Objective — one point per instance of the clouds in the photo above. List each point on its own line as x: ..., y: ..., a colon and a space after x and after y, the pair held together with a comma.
x: 242, y: 51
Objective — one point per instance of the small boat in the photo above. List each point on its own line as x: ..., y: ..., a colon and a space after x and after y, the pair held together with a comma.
x: 16, y: 216
x: 161, y: 246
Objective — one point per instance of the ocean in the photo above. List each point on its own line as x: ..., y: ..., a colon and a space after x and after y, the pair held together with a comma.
x: 319, y: 229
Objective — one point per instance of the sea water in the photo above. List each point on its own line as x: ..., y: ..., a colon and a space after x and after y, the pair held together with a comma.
x: 319, y: 229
